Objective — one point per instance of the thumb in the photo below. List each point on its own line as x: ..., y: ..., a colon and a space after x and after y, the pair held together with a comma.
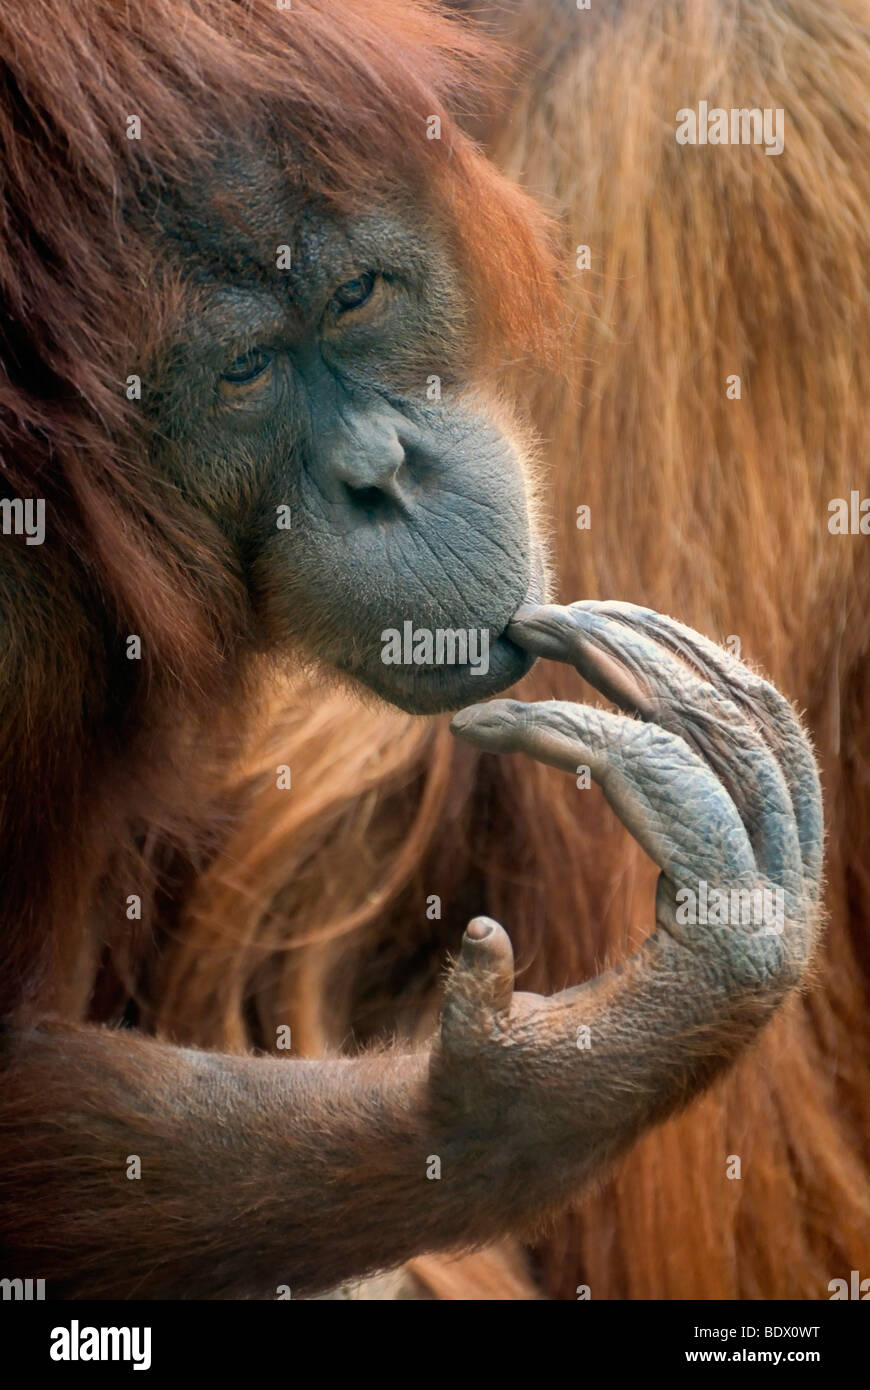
x: 481, y: 983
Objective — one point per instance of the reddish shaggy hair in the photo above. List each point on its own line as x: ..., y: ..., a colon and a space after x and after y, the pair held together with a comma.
x: 99, y: 787
x: 705, y: 264
x: 310, y: 910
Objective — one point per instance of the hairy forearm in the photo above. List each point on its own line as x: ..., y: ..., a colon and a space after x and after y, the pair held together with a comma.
x: 255, y: 1173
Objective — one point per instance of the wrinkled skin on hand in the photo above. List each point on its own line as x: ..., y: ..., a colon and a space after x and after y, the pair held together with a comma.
x: 709, y: 769
x: 314, y: 1172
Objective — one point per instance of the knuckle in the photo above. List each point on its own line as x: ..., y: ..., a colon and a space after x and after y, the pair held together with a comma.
x: 649, y: 739
x: 772, y: 960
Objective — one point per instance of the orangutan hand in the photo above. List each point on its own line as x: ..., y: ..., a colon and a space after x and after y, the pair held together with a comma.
x: 711, y: 772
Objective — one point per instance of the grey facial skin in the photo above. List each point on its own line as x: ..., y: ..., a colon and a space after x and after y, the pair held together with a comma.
x: 324, y: 415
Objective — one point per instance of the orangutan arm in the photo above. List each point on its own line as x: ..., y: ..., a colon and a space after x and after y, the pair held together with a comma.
x: 257, y: 1173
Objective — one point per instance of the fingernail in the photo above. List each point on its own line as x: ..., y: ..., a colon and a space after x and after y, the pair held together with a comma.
x: 479, y: 928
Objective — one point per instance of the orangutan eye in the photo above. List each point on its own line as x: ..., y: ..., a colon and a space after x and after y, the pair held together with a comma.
x: 247, y: 367
x: 354, y: 293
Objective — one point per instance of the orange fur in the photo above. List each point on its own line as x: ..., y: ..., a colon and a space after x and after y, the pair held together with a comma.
x: 705, y: 263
